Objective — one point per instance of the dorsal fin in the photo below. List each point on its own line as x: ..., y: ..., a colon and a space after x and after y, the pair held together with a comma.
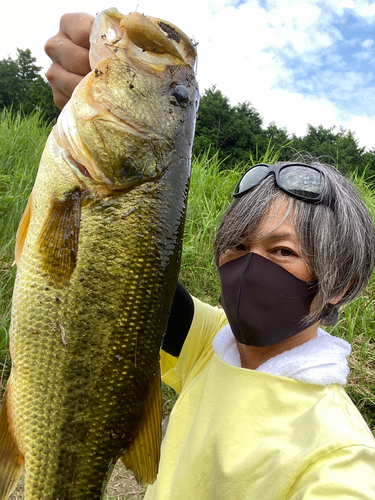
x: 143, y: 454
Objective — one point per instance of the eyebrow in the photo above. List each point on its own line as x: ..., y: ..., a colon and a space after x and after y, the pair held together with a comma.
x: 281, y: 236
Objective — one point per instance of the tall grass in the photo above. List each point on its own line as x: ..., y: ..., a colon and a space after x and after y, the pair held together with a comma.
x: 209, y: 196
x: 21, y: 144
x: 357, y: 326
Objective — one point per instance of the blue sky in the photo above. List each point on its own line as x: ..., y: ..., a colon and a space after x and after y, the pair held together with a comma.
x: 343, y: 71
x: 296, y: 61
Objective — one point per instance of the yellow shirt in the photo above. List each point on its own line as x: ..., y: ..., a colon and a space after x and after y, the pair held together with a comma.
x: 241, y: 434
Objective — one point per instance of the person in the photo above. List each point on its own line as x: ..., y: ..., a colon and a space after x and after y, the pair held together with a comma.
x: 262, y: 413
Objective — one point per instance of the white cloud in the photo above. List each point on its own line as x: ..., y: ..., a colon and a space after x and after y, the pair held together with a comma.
x: 300, y: 25
x: 367, y: 44
x: 362, y: 56
x: 366, y: 9
x: 295, y: 111
x: 363, y: 127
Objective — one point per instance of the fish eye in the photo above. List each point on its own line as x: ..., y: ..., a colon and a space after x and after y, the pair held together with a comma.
x: 181, y: 94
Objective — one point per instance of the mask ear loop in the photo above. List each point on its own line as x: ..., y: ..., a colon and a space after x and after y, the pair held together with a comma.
x: 239, y: 299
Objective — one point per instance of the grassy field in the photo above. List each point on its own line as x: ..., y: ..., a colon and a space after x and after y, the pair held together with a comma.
x: 21, y: 144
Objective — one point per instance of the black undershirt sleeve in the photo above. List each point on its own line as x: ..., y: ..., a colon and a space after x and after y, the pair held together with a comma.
x: 179, y: 322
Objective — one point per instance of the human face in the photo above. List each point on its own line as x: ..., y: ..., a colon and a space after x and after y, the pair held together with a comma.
x: 280, y: 244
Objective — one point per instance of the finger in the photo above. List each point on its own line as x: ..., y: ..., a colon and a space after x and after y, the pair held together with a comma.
x: 69, y: 47
x: 67, y: 54
x: 62, y: 83
x: 77, y: 27
x: 59, y: 99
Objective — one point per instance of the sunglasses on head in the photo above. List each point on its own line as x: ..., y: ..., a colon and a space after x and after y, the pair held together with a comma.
x: 302, y: 181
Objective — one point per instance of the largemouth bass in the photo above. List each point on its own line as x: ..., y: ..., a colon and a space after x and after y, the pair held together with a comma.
x: 98, y: 252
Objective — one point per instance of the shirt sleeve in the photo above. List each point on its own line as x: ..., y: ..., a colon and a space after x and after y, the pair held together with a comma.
x: 197, y: 348
x: 346, y: 474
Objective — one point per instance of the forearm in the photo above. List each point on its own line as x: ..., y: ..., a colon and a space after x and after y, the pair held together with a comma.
x: 180, y: 320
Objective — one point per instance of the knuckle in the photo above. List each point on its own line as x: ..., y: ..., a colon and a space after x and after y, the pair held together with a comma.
x: 50, y: 46
x: 60, y: 103
x: 59, y: 98
x: 49, y: 74
x: 65, y: 21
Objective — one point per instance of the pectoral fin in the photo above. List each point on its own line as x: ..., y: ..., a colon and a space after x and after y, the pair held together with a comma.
x: 22, y: 230
x: 11, y: 459
x: 58, y: 240
x: 143, y: 454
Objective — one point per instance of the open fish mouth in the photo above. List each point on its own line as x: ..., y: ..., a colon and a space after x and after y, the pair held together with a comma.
x: 153, y: 41
x: 121, y: 121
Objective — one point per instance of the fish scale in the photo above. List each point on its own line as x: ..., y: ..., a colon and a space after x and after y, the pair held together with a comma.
x: 134, y: 346
x: 98, y: 254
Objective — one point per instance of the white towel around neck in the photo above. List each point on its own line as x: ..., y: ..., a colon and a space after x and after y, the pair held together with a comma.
x: 320, y: 361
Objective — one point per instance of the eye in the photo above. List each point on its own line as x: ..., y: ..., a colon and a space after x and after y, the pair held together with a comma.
x: 181, y: 95
x: 284, y: 252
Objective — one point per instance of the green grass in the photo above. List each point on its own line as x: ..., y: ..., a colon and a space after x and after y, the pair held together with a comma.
x: 21, y: 143
x: 357, y: 326
x: 210, y: 194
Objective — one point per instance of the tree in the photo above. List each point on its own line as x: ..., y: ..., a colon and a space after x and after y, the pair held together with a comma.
x: 338, y: 148
x: 279, y: 139
x: 213, y: 127
x: 235, y: 132
x: 9, y: 83
x: 23, y: 88
x: 369, y: 163
x: 248, y: 137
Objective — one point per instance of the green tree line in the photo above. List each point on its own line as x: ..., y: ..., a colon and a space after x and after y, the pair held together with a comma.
x: 236, y: 133
x: 22, y: 88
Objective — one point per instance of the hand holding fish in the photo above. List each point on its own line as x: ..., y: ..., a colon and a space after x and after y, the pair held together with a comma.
x: 69, y: 51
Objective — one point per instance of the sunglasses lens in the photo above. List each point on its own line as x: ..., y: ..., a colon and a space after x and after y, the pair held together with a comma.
x: 302, y: 181
x: 251, y: 179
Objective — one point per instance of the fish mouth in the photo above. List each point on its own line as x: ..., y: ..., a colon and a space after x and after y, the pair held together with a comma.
x: 107, y: 144
x: 153, y: 41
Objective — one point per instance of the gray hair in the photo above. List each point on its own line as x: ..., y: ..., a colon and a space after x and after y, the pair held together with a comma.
x: 337, y: 245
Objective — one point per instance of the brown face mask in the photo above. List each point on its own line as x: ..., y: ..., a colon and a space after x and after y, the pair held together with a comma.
x: 263, y: 302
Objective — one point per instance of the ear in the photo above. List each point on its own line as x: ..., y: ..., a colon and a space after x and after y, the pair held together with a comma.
x: 334, y: 301
x: 337, y: 299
